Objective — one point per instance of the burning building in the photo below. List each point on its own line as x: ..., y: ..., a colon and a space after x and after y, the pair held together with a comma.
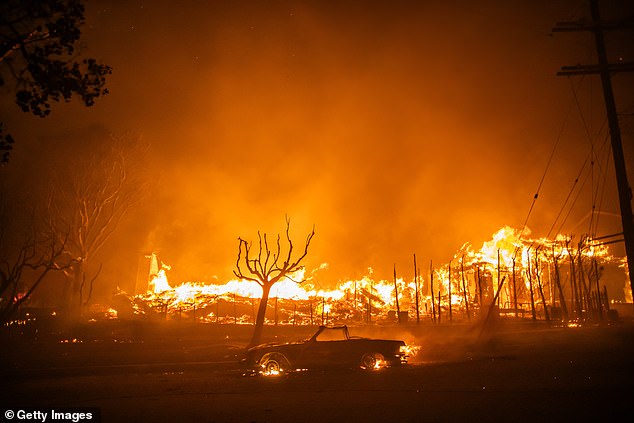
x: 519, y: 277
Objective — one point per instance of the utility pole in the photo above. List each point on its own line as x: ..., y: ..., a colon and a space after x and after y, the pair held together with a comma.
x: 604, y: 69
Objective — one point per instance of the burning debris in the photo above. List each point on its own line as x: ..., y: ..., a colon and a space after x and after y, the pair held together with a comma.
x: 548, y: 279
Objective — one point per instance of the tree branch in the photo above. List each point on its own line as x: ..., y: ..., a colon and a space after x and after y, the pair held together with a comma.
x: 264, y: 271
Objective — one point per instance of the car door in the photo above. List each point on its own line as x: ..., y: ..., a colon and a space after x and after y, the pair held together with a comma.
x: 328, y: 348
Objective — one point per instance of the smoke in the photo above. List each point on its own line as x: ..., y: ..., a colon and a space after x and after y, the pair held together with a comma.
x: 393, y: 127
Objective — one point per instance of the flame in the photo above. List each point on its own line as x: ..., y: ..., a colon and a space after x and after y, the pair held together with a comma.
x: 270, y: 372
x: 159, y: 282
x: 411, y: 349
x: 511, y: 263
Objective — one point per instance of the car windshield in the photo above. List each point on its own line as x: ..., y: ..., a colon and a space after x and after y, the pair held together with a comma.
x: 332, y: 334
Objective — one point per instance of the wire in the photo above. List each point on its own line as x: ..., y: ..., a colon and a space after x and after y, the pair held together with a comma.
x: 596, y: 205
x: 574, y: 201
x: 593, y: 158
x: 548, y: 163
x: 581, y: 115
x: 568, y: 197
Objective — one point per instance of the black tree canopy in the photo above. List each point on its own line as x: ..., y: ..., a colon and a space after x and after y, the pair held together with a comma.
x: 39, y: 54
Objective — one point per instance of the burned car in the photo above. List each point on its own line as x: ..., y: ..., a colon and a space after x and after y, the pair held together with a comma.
x: 328, y: 347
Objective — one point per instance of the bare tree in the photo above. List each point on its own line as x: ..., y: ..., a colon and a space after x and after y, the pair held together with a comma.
x: 25, y: 261
x: 265, y: 269
x: 87, y: 202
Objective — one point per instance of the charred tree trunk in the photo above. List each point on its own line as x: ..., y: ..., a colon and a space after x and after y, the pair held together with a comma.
x: 576, y: 303
x: 433, y: 301
x: 464, y: 289
x: 449, y: 293
x: 586, y: 283
x: 74, y: 294
x: 492, y: 311
x: 596, y: 276
x: 514, y: 289
x: 398, y: 308
x: 439, y: 306
x: 369, y: 304
x: 583, y: 291
x: 310, y: 313
x: 499, y: 276
x: 479, y: 285
x: 530, y: 285
x: 265, y: 268
x: 259, y: 321
x: 355, y: 297
x: 562, y: 299
x: 323, y: 310
x: 540, y: 288
x: 417, y: 292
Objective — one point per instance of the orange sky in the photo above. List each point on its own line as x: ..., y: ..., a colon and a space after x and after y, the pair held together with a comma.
x: 394, y: 127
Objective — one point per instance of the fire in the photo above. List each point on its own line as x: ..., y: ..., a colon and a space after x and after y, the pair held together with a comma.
x: 511, y: 271
x: 159, y: 282
x: 411, y: 349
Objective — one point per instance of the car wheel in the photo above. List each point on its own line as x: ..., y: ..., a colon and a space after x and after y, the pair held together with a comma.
x: 272, y: 367
x: 274, y: 364
x: 372, y: 361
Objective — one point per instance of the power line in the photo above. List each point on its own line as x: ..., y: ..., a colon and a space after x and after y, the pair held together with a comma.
x: 572, y: 189
x: 548, y: 163
x: 574, y: 102
x: 604, y: 69
x: 600, y: 188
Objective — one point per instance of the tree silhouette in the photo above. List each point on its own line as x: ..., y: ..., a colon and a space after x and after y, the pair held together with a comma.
x: 26, y: 258
x: 266, y: 269
x: 87, y: 201
x: 39, y: 52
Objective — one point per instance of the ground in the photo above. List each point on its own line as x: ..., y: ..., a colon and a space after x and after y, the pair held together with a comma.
x: 179, y: 371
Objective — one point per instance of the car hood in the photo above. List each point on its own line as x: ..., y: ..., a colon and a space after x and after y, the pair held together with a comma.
x: 274, y: 344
